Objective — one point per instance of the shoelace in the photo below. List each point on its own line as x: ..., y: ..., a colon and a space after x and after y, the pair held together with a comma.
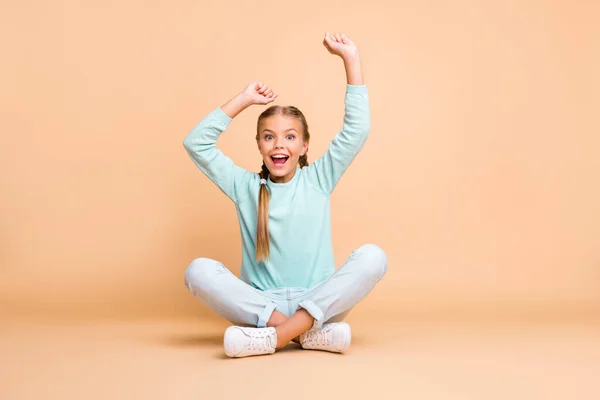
x: 260, y: 341
x: 318, y: 336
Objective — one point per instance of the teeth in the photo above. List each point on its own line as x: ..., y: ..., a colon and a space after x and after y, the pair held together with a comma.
x: 279, y: 156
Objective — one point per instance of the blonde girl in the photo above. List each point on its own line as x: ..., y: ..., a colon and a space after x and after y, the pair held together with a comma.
x: 289, y: 288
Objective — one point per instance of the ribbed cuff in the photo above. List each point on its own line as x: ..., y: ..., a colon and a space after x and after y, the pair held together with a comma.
x: 313, y: 310
x: 266, y: 314
x: 220, y: 114
x: 356, y: 88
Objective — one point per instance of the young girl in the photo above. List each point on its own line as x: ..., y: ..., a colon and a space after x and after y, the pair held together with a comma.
x: 289, y: 288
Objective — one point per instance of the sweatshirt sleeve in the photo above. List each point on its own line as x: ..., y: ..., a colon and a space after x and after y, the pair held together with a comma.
x: 200, y: 144
x: 327, y: 170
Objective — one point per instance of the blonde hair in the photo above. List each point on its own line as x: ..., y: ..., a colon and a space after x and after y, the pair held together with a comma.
x: 262, y: 228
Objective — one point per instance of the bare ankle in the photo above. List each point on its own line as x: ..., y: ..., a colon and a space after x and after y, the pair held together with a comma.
x: 277, y: 318
x: 282, y: 339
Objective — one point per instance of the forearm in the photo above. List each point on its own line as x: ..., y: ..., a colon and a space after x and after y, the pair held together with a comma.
x: 354, y: 74
x: 236, y: 105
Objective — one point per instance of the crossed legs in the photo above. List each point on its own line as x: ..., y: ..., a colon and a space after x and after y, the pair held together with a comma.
x: 244, y: 305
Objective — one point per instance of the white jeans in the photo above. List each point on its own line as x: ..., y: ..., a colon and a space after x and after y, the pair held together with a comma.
x: 329, y: 301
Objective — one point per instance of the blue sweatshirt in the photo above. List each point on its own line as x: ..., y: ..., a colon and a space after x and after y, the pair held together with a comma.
x: 301, y: 253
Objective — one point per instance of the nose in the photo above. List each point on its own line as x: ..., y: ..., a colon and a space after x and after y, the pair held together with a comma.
x: 278, y: 143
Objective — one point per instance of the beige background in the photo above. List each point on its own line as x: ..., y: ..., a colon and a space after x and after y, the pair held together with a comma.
x: 480, y: 177
x: 479, y: 180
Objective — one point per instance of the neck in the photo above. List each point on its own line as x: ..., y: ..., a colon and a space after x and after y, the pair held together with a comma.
x: 283, y: 179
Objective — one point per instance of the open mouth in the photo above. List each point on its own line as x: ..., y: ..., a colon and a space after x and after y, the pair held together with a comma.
x: 279, y: 160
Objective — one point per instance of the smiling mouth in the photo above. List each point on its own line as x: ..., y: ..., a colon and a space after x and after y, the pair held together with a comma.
x: 279, y: 161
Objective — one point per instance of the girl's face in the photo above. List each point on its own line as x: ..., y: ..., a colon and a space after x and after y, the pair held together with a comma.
x: 281, y: 136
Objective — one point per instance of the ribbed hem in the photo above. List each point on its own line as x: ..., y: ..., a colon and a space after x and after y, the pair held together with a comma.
x: 266, y: 314
x: 313, y: 310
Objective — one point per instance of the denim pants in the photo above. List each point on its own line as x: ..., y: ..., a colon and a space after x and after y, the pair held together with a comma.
x: 329, y: 301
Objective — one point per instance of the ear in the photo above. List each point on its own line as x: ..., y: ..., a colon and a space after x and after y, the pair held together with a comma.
x: 304, y: 148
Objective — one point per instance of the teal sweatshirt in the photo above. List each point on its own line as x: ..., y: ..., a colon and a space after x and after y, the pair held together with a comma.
x: 301, y: 253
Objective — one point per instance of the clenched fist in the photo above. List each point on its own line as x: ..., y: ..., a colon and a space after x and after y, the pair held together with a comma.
x: 259, y: 93
x: 339, y: 44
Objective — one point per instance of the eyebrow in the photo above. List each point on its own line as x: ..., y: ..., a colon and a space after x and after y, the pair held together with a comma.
x: 268, y: 130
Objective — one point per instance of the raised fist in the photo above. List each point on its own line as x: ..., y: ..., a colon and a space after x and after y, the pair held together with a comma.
x: 259, y: 93
x: 339, y: 44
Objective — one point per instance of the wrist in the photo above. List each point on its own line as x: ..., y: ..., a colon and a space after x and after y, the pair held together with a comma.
x: 351, y: 57
x: 244, y: 99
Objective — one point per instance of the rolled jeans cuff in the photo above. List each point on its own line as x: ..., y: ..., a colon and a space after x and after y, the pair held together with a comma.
x: 314, y: 311
x: 263, y: 318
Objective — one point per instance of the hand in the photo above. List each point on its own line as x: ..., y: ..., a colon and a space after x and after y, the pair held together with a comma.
x: 259, y: 93
x: 340, y: 45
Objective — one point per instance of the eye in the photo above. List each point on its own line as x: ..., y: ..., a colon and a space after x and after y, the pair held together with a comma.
x: 292, y: 136
x: 268, y: 136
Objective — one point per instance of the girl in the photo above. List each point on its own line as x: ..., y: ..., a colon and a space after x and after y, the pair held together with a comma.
x: 289, y: 288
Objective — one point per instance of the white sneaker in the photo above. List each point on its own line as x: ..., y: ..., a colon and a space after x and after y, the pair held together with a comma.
x: 333, y: 337
x: 240, y: 341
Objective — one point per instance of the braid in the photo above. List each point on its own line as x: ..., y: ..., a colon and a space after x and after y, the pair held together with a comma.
x: 303, y: 160
x: 262, y: 229
x: 264, y: 172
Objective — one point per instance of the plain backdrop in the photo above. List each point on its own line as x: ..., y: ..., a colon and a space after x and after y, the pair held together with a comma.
x: 480, y: 178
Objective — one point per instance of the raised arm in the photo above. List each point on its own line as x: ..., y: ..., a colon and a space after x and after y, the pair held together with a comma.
x: 327, y: 170
x: 200, y: 143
